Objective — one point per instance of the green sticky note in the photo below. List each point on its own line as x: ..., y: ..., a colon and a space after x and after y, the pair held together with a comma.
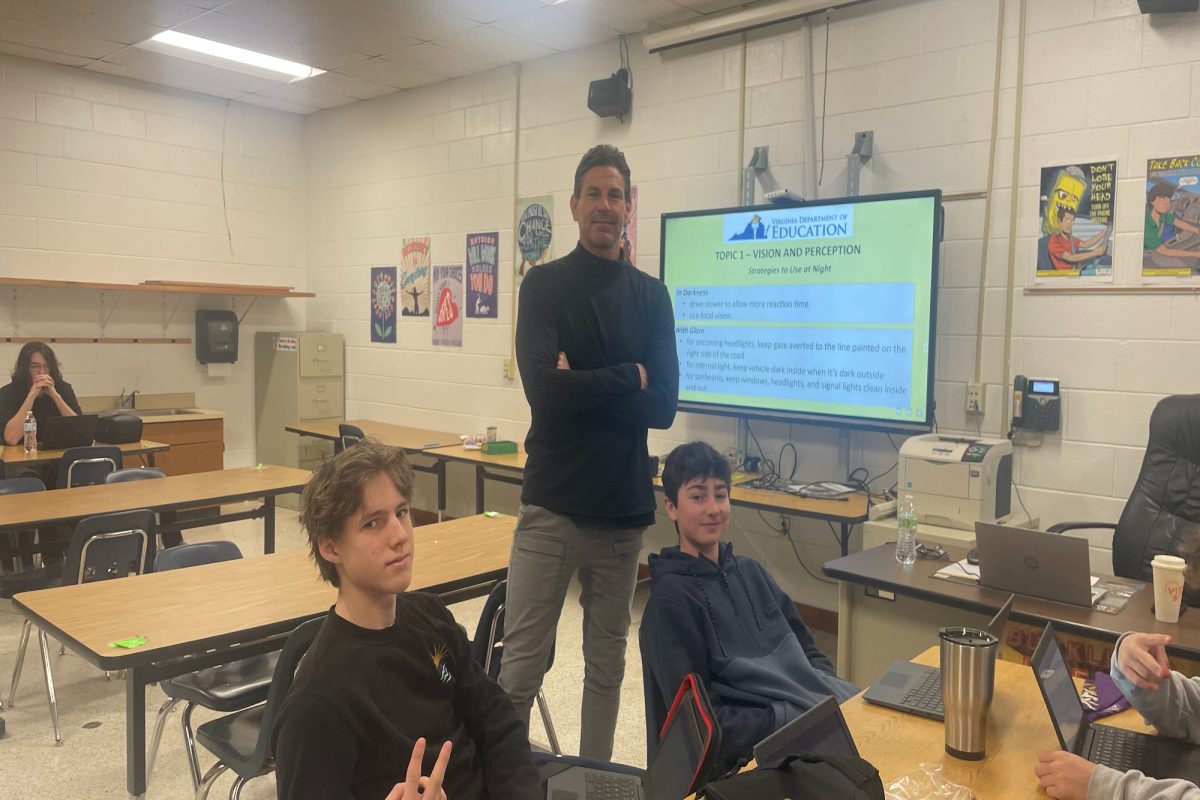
x: 130, y: 643
x: 491, y: 513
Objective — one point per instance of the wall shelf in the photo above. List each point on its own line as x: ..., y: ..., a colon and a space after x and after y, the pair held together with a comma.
x: 92, y: 340
x: 165, y: 287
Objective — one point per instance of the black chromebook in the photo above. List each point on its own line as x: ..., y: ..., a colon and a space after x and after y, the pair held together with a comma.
x: 918, y: 690
x: 1156, y: 756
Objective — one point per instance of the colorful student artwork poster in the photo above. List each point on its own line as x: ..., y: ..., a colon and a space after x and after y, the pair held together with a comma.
x: 1171, y: 245
x: 534, y: 231
x: 383, y: 304
x: 1077, y: 208
x: 629, y: 235
x: 483, y: 267
x: 414, y: 276
x: 447, y: 305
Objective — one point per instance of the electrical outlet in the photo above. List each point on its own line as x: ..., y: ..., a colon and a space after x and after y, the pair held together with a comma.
x: 510, y: 369
x: 975, y: 394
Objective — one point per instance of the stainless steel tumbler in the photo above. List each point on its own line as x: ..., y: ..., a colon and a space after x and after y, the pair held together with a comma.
x: 968, y: 678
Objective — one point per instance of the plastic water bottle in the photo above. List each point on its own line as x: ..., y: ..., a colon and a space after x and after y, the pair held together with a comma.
x: 30, y: 433
x: 906, y: 531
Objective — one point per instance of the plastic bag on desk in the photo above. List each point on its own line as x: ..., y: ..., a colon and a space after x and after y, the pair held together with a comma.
x: 926, y: 783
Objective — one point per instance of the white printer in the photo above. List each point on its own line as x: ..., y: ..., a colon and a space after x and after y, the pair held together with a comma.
x: 956, y: 481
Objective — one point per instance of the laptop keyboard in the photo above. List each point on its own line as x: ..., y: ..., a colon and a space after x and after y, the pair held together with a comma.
x: 1118, y: 749
x: 928, y: 695
x: 611, y: 787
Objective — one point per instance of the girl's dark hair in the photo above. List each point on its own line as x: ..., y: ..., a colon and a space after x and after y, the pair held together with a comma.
x: 20, y: 373
x: 689, y: 461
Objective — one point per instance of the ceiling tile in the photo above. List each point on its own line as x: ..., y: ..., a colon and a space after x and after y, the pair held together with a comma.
x: 494, y: 45
x: 556, y: 28
x: 39, y: 54
x: 81, y: 22
x: 433, y: 57
x: 278, y: 105
x: 634, y: 16
x: 484, y: 11
x: 392, y: 73
x: 56, y: 40
x: 358, y: 88
x: 711, y: 6
x: 293, y: 39
x: 306, y: 95
x: 158, y: 68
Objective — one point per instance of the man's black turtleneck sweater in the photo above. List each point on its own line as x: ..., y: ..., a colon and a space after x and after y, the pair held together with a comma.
x: 587, y: 441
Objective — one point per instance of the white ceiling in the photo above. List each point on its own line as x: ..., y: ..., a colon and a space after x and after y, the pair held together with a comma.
x: 368, y: 47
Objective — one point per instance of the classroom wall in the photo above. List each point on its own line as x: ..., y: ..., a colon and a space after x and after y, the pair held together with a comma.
x: 1101, y: 81
x: 104, y: 179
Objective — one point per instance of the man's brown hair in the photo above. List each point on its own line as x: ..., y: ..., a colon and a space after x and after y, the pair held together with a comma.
x: 335, y: 492
x: 602, y: 155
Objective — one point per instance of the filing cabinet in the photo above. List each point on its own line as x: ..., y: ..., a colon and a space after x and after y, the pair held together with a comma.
x: 299, y: 377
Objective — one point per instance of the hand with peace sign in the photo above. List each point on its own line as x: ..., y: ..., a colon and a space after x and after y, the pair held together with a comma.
x: 417, y: 786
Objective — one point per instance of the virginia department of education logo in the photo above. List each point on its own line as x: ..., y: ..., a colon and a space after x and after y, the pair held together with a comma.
x: 790, y: 224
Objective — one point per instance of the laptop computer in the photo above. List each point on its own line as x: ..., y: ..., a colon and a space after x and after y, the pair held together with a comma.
x: 821, y: 730
x: 1046, y: 565
x: 1156, y: 756
x: 917, y: 689
x: 59, y: 433
x: 687, y: 746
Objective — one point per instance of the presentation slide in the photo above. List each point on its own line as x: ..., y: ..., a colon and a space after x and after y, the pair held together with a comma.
x: 817, y: 309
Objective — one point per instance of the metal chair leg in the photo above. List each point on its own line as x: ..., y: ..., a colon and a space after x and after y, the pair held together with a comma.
x: 235, y: 791
x: 159, y: 723
x: 189, y: 743
x: 210, y: 778
x: 547, y: 722
x: 45, y: 645
x: 12, y: 691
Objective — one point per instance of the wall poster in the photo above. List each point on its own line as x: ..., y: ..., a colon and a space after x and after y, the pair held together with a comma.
x: 483, y: 267
x: 414, y: 276
x: 1077, y: 207
x: 383, y: 304
x: 1171, y: 238
x: 535, y: 229
x: 629, y: 235
x: 447, y: 304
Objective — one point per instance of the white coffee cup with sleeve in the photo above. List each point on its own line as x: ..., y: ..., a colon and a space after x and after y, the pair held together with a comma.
x: 1168, y: 586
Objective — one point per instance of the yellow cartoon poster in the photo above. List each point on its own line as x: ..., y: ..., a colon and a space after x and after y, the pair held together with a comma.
x: 1077, y: 204
x: 414, y: 276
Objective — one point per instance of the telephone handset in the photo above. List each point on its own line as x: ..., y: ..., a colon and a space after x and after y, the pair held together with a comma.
x: 1037, y: 405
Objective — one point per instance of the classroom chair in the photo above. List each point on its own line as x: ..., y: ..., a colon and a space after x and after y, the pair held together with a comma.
x: 87, y: 466
x: 241, y: 741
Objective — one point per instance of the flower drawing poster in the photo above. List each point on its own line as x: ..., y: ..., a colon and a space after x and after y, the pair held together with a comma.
x: 447, y: 305
x: 414, y: 276
x: 383, y: 304
x: 483, y: 254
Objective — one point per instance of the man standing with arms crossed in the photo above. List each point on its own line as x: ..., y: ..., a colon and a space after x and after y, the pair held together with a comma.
x: 596, y: 350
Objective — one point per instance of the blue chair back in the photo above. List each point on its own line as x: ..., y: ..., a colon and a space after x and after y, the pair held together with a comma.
x: 134, y: 474
x: 21, y: 485
x: 110, y: 546
x: 87, y: 466
x: 193, y: 555
x: 348, y: 435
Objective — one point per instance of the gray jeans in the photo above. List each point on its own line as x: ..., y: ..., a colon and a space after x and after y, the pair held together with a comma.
x: 547, y: 548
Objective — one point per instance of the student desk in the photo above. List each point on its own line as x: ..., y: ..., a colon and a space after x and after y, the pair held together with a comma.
x: 217, y: 613
x: 14, y: 455
x: 888, y: 612
x: 413, y: 441
x: 1018, y: 729
x: 163, y: 495
x: 844, y: 513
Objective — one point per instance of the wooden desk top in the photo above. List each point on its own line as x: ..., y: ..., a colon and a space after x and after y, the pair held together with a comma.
x: 408, y: 439
x: 15, y: 455
x: 459, y: 453
x: 163, y: 494
x: 1018, y: 729
x: 877, y: 567
x: 180, y: 610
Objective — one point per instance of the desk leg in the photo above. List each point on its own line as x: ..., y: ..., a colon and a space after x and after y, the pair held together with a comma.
x: 439, y: 469
x: 135, y: 732
x: 845, y: 628
x: 269, y: 525
x: 479, y: 499
x: 844, y: 540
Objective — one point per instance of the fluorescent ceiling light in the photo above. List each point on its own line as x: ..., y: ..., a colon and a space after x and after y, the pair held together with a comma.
x: 207, y: 51
x: 747, y: 19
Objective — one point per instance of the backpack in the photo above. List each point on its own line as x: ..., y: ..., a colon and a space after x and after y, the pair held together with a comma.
x: 804, y: 777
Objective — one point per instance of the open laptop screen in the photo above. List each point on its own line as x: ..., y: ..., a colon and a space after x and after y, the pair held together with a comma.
x: 680, y: 751
x: 1062, y: 700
